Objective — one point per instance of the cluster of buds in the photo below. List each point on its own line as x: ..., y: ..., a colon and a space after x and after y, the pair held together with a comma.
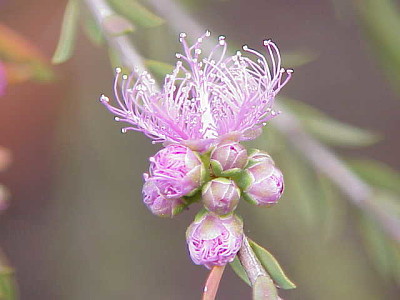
x: 205, y: 108
x: 218, y: 178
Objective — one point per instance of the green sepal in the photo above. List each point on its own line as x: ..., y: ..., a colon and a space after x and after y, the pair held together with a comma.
x: 200, y: 214
x: 216, y: 168
x: 239, y: 270
x: 272, y: 266
x: 243, y: 180
x: 246, y: 197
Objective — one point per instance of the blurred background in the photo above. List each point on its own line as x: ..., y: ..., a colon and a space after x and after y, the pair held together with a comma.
x: 76, y: 227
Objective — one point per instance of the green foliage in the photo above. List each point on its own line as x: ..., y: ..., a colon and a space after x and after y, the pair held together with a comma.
x: 272, y: 266
x: 7, y: 284
x: 238, y: 269
x: 93, y: 31
x: 137, y: 13
x: 384, y: 252
x: 297, y: 59
x: 66, y: 42
x: 328, y: 130
x: 381, y: 20
x: 376, y: 173
x: 158, y: 67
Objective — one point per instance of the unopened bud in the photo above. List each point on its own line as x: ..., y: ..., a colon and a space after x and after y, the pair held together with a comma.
x: 221, y: 196
x: 227, y: 157
x: 263, y: 183
x: 214, y: 240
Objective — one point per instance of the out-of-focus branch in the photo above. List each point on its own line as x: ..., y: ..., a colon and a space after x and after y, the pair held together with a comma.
x: 323, y: 160
x: 121, y: 44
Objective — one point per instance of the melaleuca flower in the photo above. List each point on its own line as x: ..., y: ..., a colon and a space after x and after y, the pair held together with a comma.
x: 178, y: 166
x: 228, y: 156
x: 206, y: 98
x: 214, y: 240
x: 154, y: 196
x: 262, y: 182
x: 221, y: 196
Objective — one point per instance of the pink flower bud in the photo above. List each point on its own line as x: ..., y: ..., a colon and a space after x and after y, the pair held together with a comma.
x: 263, y: 183
x: 181, y: 167
x: 256, y: 155
x: 214, y: 240
x: 221, y: 196
x: 154, y: 191
x: 228, y: 156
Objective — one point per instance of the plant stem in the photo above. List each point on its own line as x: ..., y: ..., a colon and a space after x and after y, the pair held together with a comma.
x: 255, y: 271
x: 212, y: 283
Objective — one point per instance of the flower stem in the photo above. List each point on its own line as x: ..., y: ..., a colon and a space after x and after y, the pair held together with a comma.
x: 212, y: 283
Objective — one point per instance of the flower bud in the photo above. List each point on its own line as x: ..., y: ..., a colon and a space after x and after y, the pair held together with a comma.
x: 214, y: 240
x: 263, y: 183
x: 221, y: 196
x: 257, y: 155
x: 181, y: 167
x: 228, y: 156
x: 154, y: 196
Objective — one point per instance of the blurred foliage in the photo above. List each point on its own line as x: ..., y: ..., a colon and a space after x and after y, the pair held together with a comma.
x: 381, y: 21
x: 21, y: 58
x: 66, y: 42
x: 7, y: 283
x: 327, y: 129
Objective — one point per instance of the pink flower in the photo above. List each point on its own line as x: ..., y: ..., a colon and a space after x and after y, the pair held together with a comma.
x: 214, y: 240
x: 205, y: 98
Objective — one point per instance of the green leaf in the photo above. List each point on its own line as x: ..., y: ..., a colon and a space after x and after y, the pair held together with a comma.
x: 66, y: 42
x: 137, y: 13
x: 381, y: 20
x: 7, y: 284
x: 297, y: 59
x: 328, y: 130
x: 238, y: 269
x: 93, y: 31
x: 264, y: 289
x: 158, y: 67
x: 272, y: 266
x: 384, y: 252
x: 376, y: 173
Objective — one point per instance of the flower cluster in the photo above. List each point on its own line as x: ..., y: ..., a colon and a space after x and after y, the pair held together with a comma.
x: 204, y: 110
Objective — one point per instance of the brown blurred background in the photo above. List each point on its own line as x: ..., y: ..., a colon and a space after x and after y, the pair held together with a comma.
x: 77, y: 229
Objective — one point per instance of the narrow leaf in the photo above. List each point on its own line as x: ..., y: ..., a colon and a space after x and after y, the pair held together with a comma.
x: 381, y: 20
x: 93, y: 31
x: 272, y: 266
x: 137, y: 13
x: 69, y: 26
x: 158, y: 67
x: 264, y: 289
x: 297, y: 59
x: 238, y: 269
x: 377, y: 173
x: 328, y: 130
